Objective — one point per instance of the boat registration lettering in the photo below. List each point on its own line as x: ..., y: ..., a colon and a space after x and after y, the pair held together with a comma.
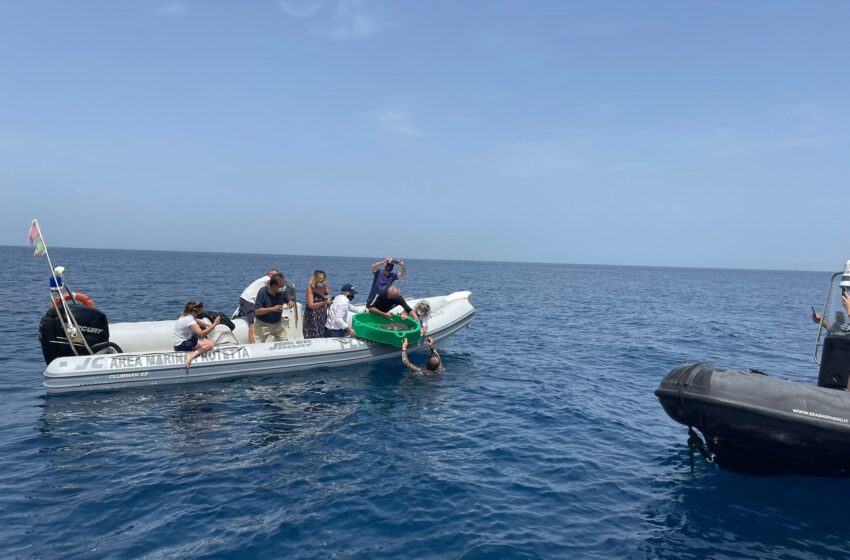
x: 93, y: 363
x: 289, y: 344
x: 125, y: 362
x: 820, y: 416
x: 131, y: 374
x: 224, y: 354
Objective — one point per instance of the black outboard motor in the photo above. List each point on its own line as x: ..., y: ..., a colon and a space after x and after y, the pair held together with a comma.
x: 92, y: 325
x: 835, y: 361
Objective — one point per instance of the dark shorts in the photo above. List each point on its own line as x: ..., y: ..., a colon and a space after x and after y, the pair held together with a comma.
x: 334, y: 333
x: 187, y: 345
x: 247, y: 310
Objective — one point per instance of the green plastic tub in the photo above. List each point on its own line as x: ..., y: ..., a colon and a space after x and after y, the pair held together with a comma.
x: 366, y: 325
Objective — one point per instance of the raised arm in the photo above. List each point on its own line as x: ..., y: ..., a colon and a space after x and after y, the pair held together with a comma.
x: 403, y: 272
x: 405, y: 361
x: 818, y: 319
x: 375, y: 266
x: 433, y: 350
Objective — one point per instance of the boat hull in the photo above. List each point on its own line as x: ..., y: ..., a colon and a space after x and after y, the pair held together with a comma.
x: 757, y: 423
x: 151, y: 368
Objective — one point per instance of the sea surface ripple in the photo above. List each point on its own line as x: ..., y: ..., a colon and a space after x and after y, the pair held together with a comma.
x: 542, y: 439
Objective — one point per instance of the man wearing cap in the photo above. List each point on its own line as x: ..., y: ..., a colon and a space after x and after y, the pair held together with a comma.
x: 269, y: 310
x: 383, y: 276
x: 247, y: 301
x: 336, y: 325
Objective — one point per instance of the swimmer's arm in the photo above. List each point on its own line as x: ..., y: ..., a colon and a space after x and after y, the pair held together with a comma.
x: 433, y: 350
x: 407, y: 363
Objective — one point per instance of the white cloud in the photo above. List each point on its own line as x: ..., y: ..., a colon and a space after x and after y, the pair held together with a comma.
x: 397, y: 119
x: 536, y: 159
x: 171, y: 9
x: 300, y: 9
x: 351, y: 22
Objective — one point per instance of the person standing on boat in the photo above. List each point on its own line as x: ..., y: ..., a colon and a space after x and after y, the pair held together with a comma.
x: 318, y: 301
x: 433, y: 365
x: 387, y: 300
x: 383, y: 276
x: 336, y: 324
x: 187, y: 332
x: 247, y: 301
x: 269, y: 310
x: 423, y: 311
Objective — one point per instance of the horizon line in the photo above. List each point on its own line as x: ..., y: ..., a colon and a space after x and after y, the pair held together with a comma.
x: 477, y: 261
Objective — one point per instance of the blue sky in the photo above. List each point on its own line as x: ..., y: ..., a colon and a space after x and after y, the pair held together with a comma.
x: 647, y: 133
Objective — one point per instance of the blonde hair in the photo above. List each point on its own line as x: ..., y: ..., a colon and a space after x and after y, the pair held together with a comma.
x: 317, y: 276
x: 423, y: 308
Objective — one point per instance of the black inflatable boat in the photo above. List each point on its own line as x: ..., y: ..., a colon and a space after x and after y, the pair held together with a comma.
x: 754, y: 422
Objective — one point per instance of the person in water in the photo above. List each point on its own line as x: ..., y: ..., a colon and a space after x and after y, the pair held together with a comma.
x: 383, y: 276
x: 433, y: 365
x: 247, y: 301
x: 318, y: 301
x: 269, y: 311
x: 187, y: 333
x: 336, y: 324
x: 387, y: 300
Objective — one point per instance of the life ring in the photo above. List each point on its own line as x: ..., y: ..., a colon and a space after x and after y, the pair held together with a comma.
x: 77, y: 296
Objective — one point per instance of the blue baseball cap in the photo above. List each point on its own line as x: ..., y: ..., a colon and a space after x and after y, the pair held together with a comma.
x: 348, y: 288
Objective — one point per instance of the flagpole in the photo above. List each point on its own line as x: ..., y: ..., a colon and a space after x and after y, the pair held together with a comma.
x: 76, y: 327
x: 47, y: 254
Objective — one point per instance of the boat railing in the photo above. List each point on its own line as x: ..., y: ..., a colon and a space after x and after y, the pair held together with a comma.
x: 822, y: 332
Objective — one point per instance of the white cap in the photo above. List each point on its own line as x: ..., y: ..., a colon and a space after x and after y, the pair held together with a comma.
x: 60, y: 270
x: 845, y: 278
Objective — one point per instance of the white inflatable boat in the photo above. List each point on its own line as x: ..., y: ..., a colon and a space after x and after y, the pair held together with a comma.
x: 146, y: 357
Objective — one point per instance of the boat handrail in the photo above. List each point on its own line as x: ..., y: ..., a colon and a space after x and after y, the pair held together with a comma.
x: 818, y: 340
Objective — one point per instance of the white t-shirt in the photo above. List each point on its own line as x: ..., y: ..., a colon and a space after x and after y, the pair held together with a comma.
x: 183, y: 329
x: 250, y: 293
x: 338, y: 312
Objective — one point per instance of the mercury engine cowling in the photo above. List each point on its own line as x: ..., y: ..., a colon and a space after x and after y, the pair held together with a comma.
x: 54, y: 339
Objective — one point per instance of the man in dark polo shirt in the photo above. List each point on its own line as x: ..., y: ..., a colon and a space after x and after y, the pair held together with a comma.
x: 269, y: 310
x: 387, y: 300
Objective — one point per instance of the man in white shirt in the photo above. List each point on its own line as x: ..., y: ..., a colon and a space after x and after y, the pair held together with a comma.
x: 249, y: 297
x: 336, y: 325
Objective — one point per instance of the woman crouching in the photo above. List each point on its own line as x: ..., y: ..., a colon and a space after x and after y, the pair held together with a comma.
x: 187, y: 332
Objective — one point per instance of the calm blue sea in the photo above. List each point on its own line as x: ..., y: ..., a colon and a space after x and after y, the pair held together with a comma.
x: 542, y: 439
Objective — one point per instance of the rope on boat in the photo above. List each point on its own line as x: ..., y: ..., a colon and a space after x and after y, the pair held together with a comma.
x: 696, y: 443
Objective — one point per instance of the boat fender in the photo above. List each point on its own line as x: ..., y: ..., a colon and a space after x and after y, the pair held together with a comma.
x: 76, y: 297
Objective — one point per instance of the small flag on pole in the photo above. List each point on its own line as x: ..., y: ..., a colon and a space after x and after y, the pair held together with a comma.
x: 34, y: 232
x: 35, y: 239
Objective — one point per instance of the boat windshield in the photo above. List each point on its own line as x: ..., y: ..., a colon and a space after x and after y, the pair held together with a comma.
x: 835, y: 316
